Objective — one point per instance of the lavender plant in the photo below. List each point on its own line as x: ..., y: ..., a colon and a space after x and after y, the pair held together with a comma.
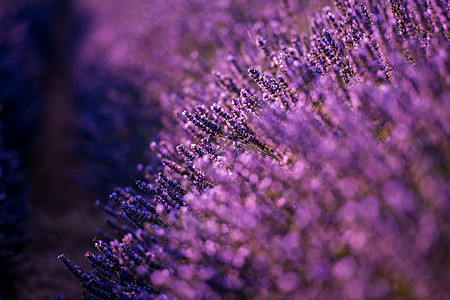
x: 19, y: 114
x: 14, y: 208
x: 115, y: 123
x: 308, y: 166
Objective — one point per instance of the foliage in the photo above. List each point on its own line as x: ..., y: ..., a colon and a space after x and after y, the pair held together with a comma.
x: 308, y: 166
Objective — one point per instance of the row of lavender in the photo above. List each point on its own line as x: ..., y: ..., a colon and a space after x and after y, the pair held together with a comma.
x: 321, y: 171
x: 19, y: 108
x: 14, y: 208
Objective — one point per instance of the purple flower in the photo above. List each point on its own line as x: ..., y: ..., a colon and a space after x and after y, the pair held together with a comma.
x: 322, y: 173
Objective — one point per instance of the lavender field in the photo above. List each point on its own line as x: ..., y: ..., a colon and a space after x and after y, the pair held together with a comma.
x: 225, y: 149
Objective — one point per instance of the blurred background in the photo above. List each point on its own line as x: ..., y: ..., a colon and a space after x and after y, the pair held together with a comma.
x: 77, y: 111
x: 80, y: 83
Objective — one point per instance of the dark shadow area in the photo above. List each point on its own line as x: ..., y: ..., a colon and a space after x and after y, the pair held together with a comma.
x: 71, y: 131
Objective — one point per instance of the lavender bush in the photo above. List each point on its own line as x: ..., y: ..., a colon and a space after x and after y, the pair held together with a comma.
x: 19, y: 110
x: 308, y: 165
x: 14, y: 208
